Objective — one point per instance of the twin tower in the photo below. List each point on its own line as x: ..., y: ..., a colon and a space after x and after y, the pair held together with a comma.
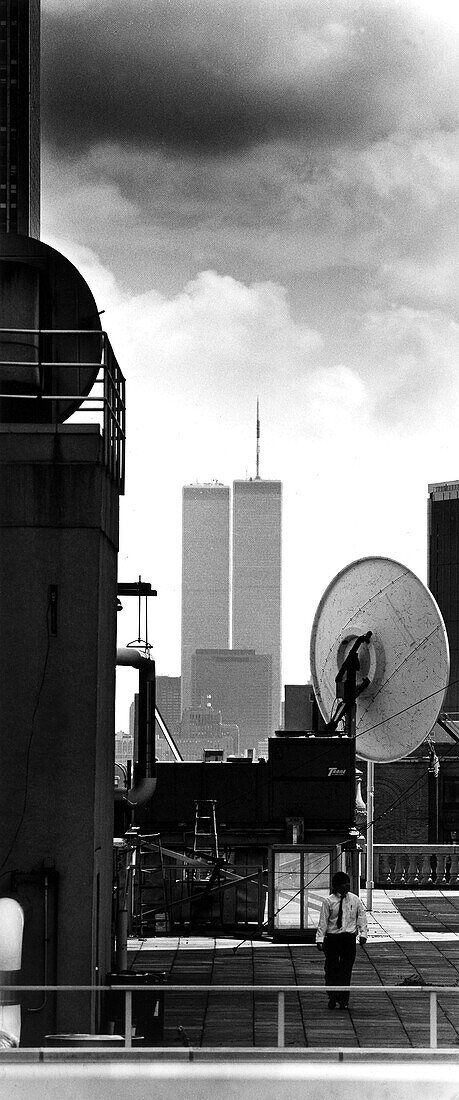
x: 231, y: 575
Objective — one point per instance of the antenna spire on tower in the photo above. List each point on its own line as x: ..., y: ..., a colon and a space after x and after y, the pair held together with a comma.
x: 258, y: 441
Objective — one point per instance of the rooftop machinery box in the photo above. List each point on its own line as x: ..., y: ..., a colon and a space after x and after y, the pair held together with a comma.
x: 312, y: 778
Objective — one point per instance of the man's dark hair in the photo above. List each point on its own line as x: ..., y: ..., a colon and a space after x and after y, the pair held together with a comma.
x: 339, y: 879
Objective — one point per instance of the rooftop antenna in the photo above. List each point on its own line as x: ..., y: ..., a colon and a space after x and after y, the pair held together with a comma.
x: 257, y: 477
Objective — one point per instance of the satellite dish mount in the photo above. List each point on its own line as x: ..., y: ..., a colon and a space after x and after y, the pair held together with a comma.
x: 347, y: 688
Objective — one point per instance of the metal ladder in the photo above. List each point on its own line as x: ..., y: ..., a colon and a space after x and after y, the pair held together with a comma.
x: 205, y: 842
x: 154, y: 907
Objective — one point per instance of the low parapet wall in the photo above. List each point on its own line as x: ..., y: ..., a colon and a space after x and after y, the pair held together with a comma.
x: 53, y: 1075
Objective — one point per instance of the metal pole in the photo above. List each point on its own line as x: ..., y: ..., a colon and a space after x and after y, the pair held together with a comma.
x: 433, y: 1020
x: 128, y: 1018
x: 370, y: 816
x: 281, y: 1019
x: 121, y: 939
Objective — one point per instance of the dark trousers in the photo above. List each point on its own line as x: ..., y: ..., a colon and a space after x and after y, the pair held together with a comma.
x: 339, y: 951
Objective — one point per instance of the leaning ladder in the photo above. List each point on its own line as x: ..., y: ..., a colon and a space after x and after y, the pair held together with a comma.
x: 205, y: 843
x: 153, y: 910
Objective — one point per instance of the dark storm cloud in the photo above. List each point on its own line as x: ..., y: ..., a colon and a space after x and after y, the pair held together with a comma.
x: 212, y: 76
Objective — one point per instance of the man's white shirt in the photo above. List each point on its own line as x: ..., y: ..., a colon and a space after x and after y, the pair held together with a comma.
x: 354, y: 918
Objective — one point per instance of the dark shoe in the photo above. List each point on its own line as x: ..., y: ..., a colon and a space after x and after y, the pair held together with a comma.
x: 331, y: 1002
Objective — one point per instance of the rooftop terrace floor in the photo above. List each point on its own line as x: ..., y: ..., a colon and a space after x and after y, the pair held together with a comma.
x: 421, y: 950
x: 219, y: 1046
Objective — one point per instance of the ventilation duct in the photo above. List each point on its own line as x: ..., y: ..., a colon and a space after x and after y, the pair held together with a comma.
x: 144, y: 766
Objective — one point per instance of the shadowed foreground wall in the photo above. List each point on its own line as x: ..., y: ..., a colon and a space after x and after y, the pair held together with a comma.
x: 58, y: 534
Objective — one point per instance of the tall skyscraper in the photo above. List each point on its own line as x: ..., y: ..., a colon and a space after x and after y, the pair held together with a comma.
x: 205, y: 574
x: 239, y: 684
x: 20, y: 117
x: 443, y: 572
x: 256, y: 574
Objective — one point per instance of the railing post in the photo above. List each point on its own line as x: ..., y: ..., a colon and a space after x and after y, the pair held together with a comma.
x: 433, y: 1019
x: 281, y: 1019
x: 370, y: 817
x: 128, y: 1018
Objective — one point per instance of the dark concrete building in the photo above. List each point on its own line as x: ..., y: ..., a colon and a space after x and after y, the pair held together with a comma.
x: 413, y: 805
x: 443, y: 573
x: 20, y: 117
x: 59, y: 517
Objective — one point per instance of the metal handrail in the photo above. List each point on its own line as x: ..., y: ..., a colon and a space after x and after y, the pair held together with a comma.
x: 111, y: 402
x: 280, y: 990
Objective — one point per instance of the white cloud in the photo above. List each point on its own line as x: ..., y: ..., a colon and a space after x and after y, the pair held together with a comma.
x: 409, y: 360
x: 355, y: 448
x: 423, y: 280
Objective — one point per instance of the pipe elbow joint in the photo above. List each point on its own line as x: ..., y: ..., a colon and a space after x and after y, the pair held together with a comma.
x: 142, y: 792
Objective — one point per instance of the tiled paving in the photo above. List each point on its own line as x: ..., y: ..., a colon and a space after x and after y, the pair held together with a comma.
x: 430, y: 913
x: 397, y: 953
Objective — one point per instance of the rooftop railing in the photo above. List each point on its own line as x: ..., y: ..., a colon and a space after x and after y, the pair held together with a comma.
x: 279, y: 994
x: 75, y: 370
x: 411, y: 865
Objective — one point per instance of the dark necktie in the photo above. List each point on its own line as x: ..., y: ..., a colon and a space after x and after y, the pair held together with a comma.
x: 340, y: 913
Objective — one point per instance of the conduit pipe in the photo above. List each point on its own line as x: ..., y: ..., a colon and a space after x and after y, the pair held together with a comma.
x: 144, y: 766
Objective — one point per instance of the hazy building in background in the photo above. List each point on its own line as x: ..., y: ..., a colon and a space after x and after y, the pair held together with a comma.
x: 133, y: 714
x: 168, y: 702
x: 443, y: 572
x: 205, y: 574
x: 20, y: 121
x: 168, y: 696
x: 202, y: 729
x: 239, y: 684
x: 256, y: 575
x: 124, y: 747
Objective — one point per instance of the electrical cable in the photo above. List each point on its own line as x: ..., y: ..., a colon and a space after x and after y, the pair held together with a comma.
x: 323, y: 754
x: 363, y: 829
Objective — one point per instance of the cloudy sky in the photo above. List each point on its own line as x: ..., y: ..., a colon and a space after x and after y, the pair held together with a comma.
x: 262, y: 195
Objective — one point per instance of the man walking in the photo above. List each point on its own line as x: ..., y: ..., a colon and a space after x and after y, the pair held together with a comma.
x: 342, y: 916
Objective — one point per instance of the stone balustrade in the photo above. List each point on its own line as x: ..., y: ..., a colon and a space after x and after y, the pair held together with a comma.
x: 434, y: 865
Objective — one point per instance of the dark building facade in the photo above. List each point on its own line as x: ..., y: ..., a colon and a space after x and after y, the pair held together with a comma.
x: 412, y: 804
x: 443, y: 573
x: 60, y: 485
x: 20, y: 117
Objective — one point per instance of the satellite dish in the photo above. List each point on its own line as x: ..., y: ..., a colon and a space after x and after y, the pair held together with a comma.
x: 406, y: 659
